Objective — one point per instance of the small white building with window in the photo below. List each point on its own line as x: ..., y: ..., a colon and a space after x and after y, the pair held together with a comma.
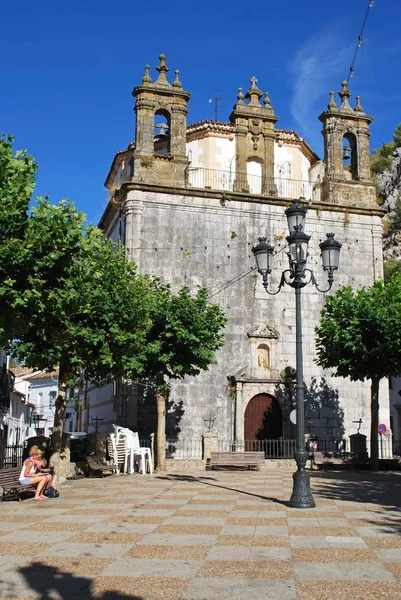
x: 40, y: 391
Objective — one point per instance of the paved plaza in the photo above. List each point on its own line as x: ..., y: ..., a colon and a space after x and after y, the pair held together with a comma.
x: 206, y: 535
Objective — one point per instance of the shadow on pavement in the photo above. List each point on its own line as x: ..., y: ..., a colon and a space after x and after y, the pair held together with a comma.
x: 207, y: 480
x: 374, y: 488
x: 51, y: 583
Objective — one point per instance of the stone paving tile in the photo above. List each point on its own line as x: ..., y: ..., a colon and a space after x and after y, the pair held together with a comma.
x: 11, y: 526
x: 197, y: 520
x: 189, y: 529
x: 202, y: 513
x: 154, y: 520
x: 240, y: 589
x: 23, y: 548
x: 77, y: 566
x: 27, y: 535
x: 259, y: 521
x: 142, y: 588
x: 389, y: 555
x: 11, y: 562
x: 224, y: 569
x: 260, y: 512
x: 305, y: 541
x: 122, y: 527
x: 324, y: 531
x: 121, y: 537
x: 181, y: 539
x: 273, y: 553
x: 153, y: 567
x: 324, y: 555
x: 175, y: 552
x: 375, y: 531
x: 340, y: 590
x: 383, y: 542
x: 97, y: 550
x: 357, y: 571
x: 270, y: 570
x: 345, y: 542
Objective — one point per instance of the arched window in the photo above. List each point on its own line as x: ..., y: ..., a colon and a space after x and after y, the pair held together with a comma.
x: 350, y: 155
x: 162, y: 132
x: 254, y: 176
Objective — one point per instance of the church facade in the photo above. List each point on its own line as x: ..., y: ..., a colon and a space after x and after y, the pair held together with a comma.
x: 190, y: 201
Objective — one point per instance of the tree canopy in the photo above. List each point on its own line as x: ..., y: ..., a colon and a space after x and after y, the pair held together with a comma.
x: 381, y: 157
x: 359, y: 336
x: 186, y: 331
x: 69, y: 298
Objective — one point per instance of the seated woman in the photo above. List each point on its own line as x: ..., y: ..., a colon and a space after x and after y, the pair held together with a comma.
x: 29, y: 475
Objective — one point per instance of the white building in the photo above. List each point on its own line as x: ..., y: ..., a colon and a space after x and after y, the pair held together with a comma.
x: 189, y: 202
x: 40, y: 391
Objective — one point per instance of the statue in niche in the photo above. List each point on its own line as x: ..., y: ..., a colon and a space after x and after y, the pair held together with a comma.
x: 263, y: 357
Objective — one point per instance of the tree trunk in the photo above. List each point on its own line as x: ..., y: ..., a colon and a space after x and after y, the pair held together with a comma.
x: 161, y: 464
x: 57, y: 436
x: 374, y: 423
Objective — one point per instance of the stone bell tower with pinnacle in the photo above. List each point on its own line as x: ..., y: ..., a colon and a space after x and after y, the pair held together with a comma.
x: 347, y: 179
x: 156, y: 101
x: 254, y: 135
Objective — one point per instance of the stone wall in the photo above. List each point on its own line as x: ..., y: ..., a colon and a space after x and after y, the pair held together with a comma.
x: 198, y: 240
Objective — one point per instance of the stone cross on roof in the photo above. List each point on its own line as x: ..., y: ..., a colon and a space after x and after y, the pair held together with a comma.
x: 253, y: 81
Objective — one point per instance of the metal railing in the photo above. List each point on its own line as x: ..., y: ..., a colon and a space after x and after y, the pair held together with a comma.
x: 183, y: 448
x: 13, y: 456
x: 272, y: 448
x: 278, y: 187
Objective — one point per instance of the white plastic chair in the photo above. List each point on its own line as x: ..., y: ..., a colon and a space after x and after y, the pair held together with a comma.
x: 134, y: 449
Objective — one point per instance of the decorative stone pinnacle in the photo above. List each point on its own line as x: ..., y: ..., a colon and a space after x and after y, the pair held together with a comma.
x: 266, y: 100
x: 358, y: 107
x: 254, y: 93
x: 240, y: 96
x: 344, y: 95
x: 177, y: 82
x: 146, y: 78
x: 162, y: 69
x: 332, y: 103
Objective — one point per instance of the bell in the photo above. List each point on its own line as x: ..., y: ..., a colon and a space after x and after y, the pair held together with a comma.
x: 346, y: 153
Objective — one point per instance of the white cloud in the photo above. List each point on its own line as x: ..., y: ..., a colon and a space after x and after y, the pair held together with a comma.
x: 318, y: 66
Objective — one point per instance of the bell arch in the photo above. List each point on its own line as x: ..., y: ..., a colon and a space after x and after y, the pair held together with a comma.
x: 350, y: 154
x: 162, y: 132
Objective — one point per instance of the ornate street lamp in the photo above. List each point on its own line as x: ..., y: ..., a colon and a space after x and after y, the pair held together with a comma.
x: 297, y: 276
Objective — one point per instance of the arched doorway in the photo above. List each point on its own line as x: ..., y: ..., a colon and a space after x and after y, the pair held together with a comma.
x: 263, y: 420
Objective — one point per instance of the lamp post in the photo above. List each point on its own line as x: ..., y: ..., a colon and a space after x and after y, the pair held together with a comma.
x: 297, y: 276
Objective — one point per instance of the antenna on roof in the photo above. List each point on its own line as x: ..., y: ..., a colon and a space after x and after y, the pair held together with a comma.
x: 216, y: 99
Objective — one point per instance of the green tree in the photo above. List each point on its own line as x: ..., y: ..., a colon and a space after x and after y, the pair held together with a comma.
x: 185, y: 333
x: 359, y: 335
x: 68, y: 297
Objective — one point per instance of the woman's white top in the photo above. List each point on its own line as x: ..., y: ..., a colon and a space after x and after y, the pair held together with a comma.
x: 32, y: 471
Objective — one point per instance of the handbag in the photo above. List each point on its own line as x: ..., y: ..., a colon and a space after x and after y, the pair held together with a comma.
x: 51, y: 492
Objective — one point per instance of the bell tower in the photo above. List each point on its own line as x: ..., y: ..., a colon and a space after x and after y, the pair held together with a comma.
x: 254, y: 139
x: 346, y: 133
x: 161, y: 119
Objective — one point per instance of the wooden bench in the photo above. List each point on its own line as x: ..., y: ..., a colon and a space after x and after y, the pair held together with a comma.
x: 11, y: 487
x: 98, y: 468
x: 250, y: 460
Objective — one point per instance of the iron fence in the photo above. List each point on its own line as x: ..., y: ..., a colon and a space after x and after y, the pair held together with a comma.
x: 272, y: 448
x: 13, y: 456
x: 396, y: 447
x: 184, y: 448
x: 198, y: 177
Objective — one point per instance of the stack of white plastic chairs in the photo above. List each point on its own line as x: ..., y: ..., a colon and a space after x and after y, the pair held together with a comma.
x: 132, y: 450
x: 117, y: 450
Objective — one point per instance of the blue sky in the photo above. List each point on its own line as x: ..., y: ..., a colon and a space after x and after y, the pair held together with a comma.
x: 68, y: 69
